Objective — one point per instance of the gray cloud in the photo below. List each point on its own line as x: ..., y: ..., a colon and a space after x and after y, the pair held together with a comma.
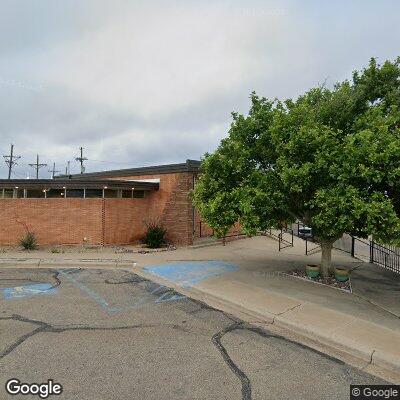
x: 141, y: 83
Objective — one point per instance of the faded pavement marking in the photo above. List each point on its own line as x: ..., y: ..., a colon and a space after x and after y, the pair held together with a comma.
x: 19, y: 292
x: 187, y: 274
x: 162, y: 294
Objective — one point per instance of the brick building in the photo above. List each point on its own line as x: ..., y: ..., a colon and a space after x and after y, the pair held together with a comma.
x: 109, y: 207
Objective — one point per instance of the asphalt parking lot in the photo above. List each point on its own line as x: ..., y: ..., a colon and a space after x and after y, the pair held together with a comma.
x: 109, y: 334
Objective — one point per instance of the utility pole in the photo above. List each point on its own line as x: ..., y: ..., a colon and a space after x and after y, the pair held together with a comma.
x: 67, y: 168
x: 10, y: 160
x: 37, y: 166
x: 53, y: 171
x: 81, y: 159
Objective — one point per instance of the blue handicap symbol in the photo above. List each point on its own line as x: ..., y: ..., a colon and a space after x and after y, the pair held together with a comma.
x: 187, y: 274
x: 19, y: 292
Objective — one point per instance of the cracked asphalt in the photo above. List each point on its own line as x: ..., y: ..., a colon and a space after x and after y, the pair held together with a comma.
x: 110, y: 334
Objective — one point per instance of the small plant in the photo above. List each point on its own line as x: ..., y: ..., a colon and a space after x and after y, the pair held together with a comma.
x: 29, y: 242
x: 55, y: 250
x: 154, y: 236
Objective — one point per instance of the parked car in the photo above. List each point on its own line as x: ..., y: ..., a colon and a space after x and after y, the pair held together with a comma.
x: 305, y: 232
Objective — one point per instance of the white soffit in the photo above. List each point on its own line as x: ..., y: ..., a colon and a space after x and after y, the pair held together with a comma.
x: 153, y: 180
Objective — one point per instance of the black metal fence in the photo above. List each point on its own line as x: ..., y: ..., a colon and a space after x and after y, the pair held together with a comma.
x: 387, y: 257
x: 284, y: 236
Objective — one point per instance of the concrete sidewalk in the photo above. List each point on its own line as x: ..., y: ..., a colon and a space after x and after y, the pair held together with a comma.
x: 362, y: 329
x: 345, y: 325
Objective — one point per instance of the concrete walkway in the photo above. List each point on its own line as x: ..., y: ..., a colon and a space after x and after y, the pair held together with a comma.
x: 246, y: 278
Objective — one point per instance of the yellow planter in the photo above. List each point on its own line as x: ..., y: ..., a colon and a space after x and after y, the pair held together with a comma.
x: 312, y: 270
x: 342, y: 274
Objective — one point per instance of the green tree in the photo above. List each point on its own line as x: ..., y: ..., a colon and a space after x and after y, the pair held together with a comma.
x: 330, y: 159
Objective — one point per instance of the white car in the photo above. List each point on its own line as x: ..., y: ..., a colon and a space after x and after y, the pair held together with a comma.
x: 305, y: 231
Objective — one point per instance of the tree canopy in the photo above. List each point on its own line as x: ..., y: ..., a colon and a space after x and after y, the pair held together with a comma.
x: 330, y: 159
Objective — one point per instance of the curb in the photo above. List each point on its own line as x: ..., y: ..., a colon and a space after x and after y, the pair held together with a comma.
x: 70, y: 262
x: 368, y: 359
x: 373, y: 361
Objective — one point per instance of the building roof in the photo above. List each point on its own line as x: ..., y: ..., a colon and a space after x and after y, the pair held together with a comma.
x: 82, y: 183
x: 188, y: 166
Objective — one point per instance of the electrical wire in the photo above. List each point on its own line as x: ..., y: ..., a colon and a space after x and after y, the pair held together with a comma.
x: 110, y: 162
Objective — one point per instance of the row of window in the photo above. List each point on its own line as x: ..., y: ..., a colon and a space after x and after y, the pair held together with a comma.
x: 70, y: 193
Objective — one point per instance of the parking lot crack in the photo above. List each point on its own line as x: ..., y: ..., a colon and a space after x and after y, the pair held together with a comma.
x: 43, y: 327
x: 19, y: 341
x: 217, y: 341
x: 289, y: 309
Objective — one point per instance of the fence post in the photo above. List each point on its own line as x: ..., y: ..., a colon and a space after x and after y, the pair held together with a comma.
x: 371, y: 251
x: 306, y: 245
x: 352, y: 245
x: 279, y: 240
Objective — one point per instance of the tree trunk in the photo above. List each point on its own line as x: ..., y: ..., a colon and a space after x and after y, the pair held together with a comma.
x: 326, y: 257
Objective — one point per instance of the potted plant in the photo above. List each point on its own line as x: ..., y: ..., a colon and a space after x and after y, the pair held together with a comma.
x: 312, y: 270
x: 341, y: 274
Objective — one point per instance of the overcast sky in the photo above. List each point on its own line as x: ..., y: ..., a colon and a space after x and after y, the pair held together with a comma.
x: 144, y: 83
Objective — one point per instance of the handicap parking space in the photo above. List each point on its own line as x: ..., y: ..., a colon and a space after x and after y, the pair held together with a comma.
x: 19, y: 292
x: 81, y: 296
x: 190, y: 273
x: 99, y: 286
x: 111, y: 334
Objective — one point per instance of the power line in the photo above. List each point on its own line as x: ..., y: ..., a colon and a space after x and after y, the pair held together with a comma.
x: 110, y: 162
x: 18, y: 175
x: 81, y: 159
x: 10, y: 160
x: 37, y: 166
x: 53, y: 171
x: 67, y: 168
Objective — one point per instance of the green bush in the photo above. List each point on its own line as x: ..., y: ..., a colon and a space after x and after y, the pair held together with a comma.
x: 154, y: 236
x: 29, y: 242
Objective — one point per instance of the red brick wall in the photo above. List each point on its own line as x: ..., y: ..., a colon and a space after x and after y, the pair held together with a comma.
x: 203, y: 230
x: 69, y: 221
x: 170, y: 205
x: 108, y: 221
x: 123, y: 220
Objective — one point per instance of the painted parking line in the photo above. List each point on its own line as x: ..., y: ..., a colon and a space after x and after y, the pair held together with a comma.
x: 165, y: 295
x: 93, y: 295
x: 19, y: 292
x: 187, y: 274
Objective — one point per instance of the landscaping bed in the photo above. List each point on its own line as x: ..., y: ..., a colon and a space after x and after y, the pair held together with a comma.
x: 331, y: 281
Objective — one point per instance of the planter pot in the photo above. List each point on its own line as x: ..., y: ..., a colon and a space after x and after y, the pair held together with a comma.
x: 312, y: 270
x: 341, y: 274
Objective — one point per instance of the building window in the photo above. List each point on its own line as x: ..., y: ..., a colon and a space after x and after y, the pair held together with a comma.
x: 138, y: 194
x: 75, y: 193
x: 94, y: 193
x: 110, y: 193
x: 6, y: 193
x: 10, y: 193
x: 126, y: 194
x: 55, y: 193
x: 35, y: 194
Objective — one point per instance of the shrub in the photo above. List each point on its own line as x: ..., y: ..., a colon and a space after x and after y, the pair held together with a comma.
x: 29, y: 242
x: 154, y: 236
